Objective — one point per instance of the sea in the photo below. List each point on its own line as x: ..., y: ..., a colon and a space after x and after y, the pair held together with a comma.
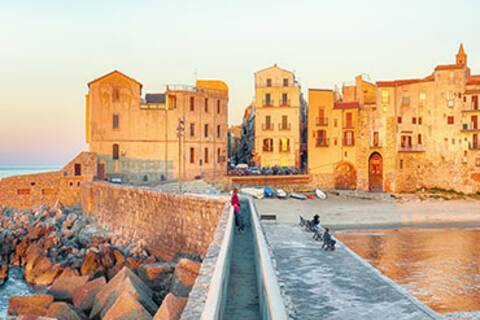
x: 12, y: 170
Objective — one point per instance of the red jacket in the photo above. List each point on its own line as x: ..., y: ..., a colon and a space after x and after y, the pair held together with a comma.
x: 236, y: 203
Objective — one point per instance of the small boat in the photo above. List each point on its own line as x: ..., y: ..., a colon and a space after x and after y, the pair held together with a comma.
x: 298, y: 196
x: 281, y: 194
x: 320, y: 194
x: 254, y: 192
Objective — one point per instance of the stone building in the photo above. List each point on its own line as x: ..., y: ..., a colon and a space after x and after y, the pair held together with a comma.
x: 277, y: 105
x: 137, y: 138
x: 407, y: 134
x: 246, y: 147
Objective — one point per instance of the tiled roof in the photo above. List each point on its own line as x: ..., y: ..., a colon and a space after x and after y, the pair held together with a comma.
x: 155, y: 98
x: 448, y: 67
x: 396, y: 83
x: 346, y: 105
x: 473, y: 91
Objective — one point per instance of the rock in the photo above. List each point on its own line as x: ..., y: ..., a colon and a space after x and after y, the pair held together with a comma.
x: 63, y: 288
x: 39, y: 269
x: 185, y: 274
x: 68, y: 272
x: 126, y: 307
x: 49, y: 276
x: 3, y: 273
x: 91, y: 264
x: 86, y: 235
x: 171, y: 308
x: 70, y: 220
x: 36, y: 305
x: 62, y: 311
x: 158, y: 276
x: 124, y: 281
x: 84, y: 296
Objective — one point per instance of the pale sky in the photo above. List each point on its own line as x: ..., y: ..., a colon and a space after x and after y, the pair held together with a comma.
x: 50, y: 50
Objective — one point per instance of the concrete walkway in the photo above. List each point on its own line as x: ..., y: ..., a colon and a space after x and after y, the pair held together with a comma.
x: 334, y: 285
x: 242, y: 298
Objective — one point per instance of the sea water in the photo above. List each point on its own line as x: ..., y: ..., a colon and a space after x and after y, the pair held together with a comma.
x: 12, y: 170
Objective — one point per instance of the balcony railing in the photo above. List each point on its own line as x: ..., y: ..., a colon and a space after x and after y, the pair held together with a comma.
x: 348, y: 126
x: 474, y: 146
x: 284, y: 103
x: 284, y: 150
x: 471, y: 126
x: 268, y: 103
x: 324, y: 142
x: 407, y: 148
x: 471, y: 107
x: 375, y: 144
x: 267, y: 149
x: 321, y: 121
x: 267, y: 126
x: 284, y: 126
x: 348, y: 142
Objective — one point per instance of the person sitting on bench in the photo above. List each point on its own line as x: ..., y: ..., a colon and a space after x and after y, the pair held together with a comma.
x: 328, y: 242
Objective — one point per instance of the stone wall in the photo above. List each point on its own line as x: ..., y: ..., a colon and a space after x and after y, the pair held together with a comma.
x: 47, y: 188
x: 170, y: 224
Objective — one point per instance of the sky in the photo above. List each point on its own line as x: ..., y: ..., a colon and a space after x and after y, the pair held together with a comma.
x: 49, y: 50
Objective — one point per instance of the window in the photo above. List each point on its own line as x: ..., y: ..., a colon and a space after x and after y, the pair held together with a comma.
x: 77, y: 169
x: 206, y: 155
x: 219, y: 130
x: 284, y: 99
x: 401, y: 163
x: 268, y: 123
x: 219, y: 157
x: 420, y: 120
x: 172, y: 101
x: 205, y: 130
x: 218, y: 106
x: 450, y: 120
x: 23, y: 192
x: 268, y: 145
x: 206, y: 104
x: 422, y: 97
x: 115, y: 152
x: 192, y: 129
x: 405, y: 101
x: 376, y: 139
x: 284, y: 145
x: 348, y: 138
x: 269, y: 82
x: 450, y: 99
x: 399, y: 120
x: 284, y: 123
x: 475, y: 102
x: 385, y: 97
x: 268, y: 99
x: 115, y: 121
x: 419, y: 139
x: 285, y: 82
x: 322, y: 138
x: 349, y: 122
x: 414, y: 120
x: 192, y: 104
x: 335, y: 123
x: 192, y: 155
x: 406, y: 141
x: 116, y: 95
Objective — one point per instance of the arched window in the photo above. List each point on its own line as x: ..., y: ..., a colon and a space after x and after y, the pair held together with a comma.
x: 115, y: 152
x: 268, y: 145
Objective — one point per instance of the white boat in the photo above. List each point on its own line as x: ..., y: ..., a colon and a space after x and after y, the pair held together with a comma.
x: 257, y: 193
x: 320, y: 194
x: 298, y: 196
x: 281, y: 193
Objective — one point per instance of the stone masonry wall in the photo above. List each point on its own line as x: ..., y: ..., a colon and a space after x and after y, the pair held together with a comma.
x: 170, y: 224
x: 26, y: 191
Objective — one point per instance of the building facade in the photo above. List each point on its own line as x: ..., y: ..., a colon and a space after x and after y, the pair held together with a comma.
x: 137, y: 139
x: 277, y: 108
x: 400, y: 135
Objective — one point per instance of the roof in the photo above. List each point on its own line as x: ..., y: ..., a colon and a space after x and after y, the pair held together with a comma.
x: 273, y: 67
x: 155, y: 98
x: 111, y: 73
x: 473, y: 91
x: 397, y: 83
x: 317, y: 89
x: 441, y: 67
x: 473, y: 82
x: 346, y: 105
x: 212, y: 85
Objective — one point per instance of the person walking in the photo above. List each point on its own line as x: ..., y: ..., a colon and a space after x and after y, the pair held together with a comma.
x: 237, y: 210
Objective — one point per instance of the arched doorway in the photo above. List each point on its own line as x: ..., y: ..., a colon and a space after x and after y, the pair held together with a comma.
x: 375, y: 172
x: 345, y: 176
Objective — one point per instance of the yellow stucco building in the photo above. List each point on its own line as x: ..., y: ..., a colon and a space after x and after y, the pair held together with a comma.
x: 277, y: 107
x: 137, y: 138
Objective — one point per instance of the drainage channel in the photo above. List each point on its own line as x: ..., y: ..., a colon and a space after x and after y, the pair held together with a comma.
x: 242, y: 293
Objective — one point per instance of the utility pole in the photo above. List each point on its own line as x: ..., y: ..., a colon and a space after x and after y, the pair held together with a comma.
x: 180, y: 134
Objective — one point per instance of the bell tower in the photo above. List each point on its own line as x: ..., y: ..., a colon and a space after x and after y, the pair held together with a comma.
x: 461, y: 57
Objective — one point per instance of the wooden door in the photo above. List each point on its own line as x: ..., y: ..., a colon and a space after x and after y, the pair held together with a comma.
x: 101, y: 171
x: 375, y: 173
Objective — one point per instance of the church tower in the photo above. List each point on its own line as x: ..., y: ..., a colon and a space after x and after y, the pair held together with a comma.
x: 461, y: 57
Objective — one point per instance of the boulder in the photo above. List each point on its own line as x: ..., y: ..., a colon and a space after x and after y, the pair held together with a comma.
x: 39, y: 269
x: 171, y: 308
x: 3, y: 272
x: 126, y: 307
x: 62, y: 311
x: 36, y: 305
x: 68, y: 272
x: 156, y: 275
x: 185, y: 274
x: 84, y: 296
x: 124, y: 281
x: 91, y: 264
x: 63, y: 288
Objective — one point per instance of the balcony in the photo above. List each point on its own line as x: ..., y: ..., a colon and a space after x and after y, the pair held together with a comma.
x: 407, y: 148
x: 267, y: 126
x: 473, y: 146
x: 348, y: 126
x: 471, y: 107
x: 321, y: 121
x: 284, y: 126
x: 376, y: 144
x: 284, y: 103
x: 324, y: 142
x: 267, y: 103
x: 348, y: 142
x: 470, y: 127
